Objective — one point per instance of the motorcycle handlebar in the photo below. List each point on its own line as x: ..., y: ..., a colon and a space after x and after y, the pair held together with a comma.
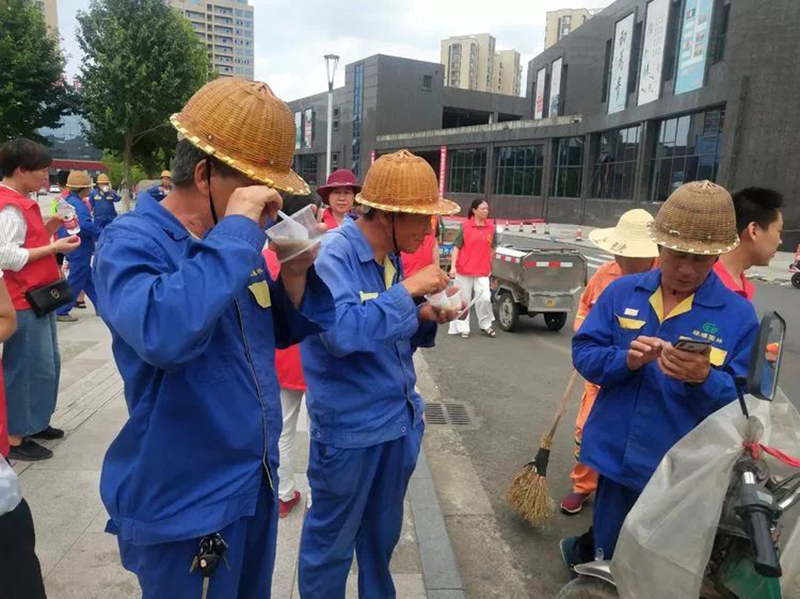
x: 759, y: 529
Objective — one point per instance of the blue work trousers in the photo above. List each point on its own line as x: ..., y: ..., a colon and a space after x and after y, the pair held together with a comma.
x: 163, y: 569
x: 80, y: 279
x: 357, y: 506
x: 612, y: 503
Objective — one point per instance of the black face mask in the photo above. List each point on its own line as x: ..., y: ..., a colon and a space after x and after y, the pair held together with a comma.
x: 210, y: 199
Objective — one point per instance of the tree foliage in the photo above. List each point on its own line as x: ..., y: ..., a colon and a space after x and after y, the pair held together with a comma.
x: 33, y: 93
x: 142, y: 62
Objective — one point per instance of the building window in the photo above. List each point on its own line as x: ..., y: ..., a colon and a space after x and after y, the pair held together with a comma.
x: 519, y: 171
x: 674, y: 26
x: 688, y: 149
x: 721, y: 35
x: 334, y: 160
x: 335, y: 124
x: 606, y: 71
x: 358, y: 106
x: 568, y: 167
x: 427, y: 82
x: 455, y: 65
x: 306, y: 166
x: 615, y: 164
x: 466, y: 171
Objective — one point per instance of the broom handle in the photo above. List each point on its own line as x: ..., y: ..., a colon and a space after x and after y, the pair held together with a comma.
x: 562, y: 406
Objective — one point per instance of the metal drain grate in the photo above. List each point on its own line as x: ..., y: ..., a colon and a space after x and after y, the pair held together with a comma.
x: 434, y: 414
x: 449, y: 412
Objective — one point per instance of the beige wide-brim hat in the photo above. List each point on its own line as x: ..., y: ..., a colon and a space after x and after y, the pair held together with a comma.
x: 244, y: 125
x: 403, y: 182
x: 103, y: 180
x: 698, y: 218
x: 629, y: 238
x: 79, y: 180
x: 166, y: 174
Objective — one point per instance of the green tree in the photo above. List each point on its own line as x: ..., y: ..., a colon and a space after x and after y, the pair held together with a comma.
x: 116, y: 170
x: 33, y: 93
x: 142, y: 62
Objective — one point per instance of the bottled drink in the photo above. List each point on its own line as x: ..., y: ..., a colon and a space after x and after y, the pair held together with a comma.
x: 67, y: 213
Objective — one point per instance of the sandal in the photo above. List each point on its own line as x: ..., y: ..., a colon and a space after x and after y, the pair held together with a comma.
x: 490, y: 332
x: 465, y: 335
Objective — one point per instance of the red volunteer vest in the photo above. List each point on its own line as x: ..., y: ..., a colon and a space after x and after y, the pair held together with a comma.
x: 423, y: 256
x: 475, y: 255
x: 34, y: 274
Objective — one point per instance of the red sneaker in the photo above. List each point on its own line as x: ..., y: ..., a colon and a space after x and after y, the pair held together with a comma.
x: 284, y: 507
x: 573, y: 503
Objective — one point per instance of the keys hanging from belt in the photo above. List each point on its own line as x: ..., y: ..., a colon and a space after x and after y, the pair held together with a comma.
x: 209, y: 554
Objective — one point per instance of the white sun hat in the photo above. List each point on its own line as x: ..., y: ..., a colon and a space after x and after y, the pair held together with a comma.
x: 629, y: 238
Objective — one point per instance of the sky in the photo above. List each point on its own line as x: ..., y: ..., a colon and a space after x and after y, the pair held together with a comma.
x: 292, y: 36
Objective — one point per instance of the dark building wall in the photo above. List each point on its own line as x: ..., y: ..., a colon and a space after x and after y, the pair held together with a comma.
x: 405, y: 103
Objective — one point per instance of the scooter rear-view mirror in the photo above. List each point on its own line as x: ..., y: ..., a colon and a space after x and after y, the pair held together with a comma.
x: 765, y: 360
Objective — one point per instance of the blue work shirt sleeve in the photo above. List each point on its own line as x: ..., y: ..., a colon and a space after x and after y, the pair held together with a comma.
x: 315, y: 315
x: 364, y: 325
x: 88, y: 229
x: 594, y: 354
x: 167, y: 314
x: 426, y: 332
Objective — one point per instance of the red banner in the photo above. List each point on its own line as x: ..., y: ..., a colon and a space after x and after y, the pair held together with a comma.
x: 372, y: 157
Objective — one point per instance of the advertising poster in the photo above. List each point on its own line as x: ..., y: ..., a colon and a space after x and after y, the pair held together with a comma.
x: 694, y: 45
x: 555, y: 88
x: 442, y: 168
x: 620, y: 65
x: 308, y: 138
x: 655, y: 36
x: 298, y: 130
x: 539, y: 108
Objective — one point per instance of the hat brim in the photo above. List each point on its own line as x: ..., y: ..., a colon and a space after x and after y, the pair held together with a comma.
x: 679, y: 244
x: 325, y: 190
x: 287, y: 181
x: 441, y: 207
x: 613, y: 243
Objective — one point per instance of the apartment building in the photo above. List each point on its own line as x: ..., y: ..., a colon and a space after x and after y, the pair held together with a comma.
x: 560, y: 23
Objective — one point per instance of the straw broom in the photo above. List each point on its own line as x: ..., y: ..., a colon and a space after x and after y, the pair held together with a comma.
x: 527, y: 492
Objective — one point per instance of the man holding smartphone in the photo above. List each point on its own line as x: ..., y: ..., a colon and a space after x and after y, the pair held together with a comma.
x: 665, y: 347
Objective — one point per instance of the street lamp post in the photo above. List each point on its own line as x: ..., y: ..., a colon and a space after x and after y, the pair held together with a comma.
x: 331, y: 61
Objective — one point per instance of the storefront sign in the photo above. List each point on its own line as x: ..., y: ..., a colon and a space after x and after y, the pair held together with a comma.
x: 442, y: 169
x: 372, y: 157
x: 540, y: 77
x: 694, y: 45
x: 298, y: 130
x: 555, y: 88
x: 308, y: 138
x: 620, y: 65
x: 655, y: 37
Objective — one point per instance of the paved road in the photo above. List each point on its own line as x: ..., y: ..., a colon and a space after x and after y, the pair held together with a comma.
x: 513, y: 384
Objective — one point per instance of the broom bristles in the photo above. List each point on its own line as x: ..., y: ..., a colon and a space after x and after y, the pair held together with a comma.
x: 528, y: 494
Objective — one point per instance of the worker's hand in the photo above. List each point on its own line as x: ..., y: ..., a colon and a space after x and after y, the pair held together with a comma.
x: 643, y: 350
x: 67, y: 245
x: 430, y: 279
x: 440, y: 315
x: 53, y: 223
x: 256, y: 202
x: 452, y: 272
x: 686, y: 366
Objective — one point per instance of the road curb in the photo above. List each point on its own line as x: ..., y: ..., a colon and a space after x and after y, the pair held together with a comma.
x: 440, y: 571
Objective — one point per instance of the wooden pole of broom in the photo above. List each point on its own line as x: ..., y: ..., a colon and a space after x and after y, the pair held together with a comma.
x: 527, y: 492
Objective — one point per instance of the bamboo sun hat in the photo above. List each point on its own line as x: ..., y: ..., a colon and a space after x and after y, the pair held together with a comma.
x: 246, y: 126
x: 166, y: 174
x: 698, y: 218
x: 403, y: 182
x: 629, y: 238
x: 79, y: 180
x: 102, y: 179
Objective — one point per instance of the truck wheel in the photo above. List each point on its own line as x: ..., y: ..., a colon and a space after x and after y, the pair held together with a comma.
x: 796, y: 280
x: 588, y: 588
x: 555, y: 321
x: 507, y: 311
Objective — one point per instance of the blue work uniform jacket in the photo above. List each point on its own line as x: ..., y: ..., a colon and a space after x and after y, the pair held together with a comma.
x: 360, y: 373
x: 89, y: 230
x: 157, y: 192
x: 103, y: 204
x: 195, y: 324
x: 639, y: 415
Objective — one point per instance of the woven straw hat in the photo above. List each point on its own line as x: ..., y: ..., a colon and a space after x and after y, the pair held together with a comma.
x: 102, y: 179
x: 629, y: 238
x: 243, y: 124
x: 166, y: 174
x: 79, y: 180
x: 403, y: 182
x: 698, y: 218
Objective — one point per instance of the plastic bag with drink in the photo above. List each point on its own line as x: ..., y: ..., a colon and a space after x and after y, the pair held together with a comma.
x: 67, y: 213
